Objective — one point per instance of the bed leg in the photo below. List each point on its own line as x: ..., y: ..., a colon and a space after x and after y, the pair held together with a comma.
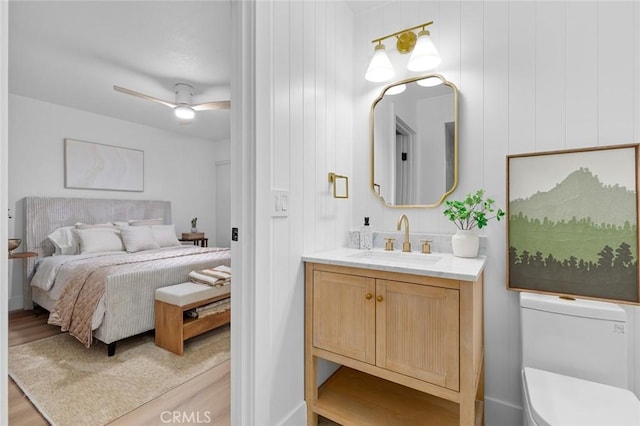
x: 37, y: 310
x: 111, y: 349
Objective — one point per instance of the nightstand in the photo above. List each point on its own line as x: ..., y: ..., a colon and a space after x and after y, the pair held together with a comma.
x: 22, y: 255
x: 198, y: 238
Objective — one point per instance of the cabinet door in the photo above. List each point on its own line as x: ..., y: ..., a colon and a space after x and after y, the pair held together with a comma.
x: 344, y: 315
x: 418, y: 331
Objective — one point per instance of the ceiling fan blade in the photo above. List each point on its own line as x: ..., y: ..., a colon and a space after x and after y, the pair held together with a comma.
x: 209, y: 106
x: 143, y: 96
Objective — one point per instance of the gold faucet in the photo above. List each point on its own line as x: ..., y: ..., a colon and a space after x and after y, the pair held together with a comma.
x: 406, y: 245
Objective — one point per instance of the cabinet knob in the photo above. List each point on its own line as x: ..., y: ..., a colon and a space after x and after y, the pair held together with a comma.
x: 379, y: 299
x: 368, y: 296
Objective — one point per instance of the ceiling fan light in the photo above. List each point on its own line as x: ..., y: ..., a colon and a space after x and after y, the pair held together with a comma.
x: 184, y: 112
x: 425, y: 56
x: 380, y: 68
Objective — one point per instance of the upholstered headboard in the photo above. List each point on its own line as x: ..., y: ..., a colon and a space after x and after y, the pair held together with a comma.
x: 44, y: 215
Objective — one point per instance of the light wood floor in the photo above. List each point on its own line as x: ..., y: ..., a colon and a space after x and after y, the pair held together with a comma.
x: 206, y: 398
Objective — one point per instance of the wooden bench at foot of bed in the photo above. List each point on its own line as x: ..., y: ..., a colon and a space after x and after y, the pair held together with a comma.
x: 172, y: 327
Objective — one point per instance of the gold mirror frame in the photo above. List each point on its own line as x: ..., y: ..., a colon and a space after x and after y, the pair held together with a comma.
x: 373, y: 185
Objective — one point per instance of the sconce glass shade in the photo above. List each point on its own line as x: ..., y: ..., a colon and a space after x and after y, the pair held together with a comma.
x: 425, y: 56
x: 184, y: 112
x: 380, y: 68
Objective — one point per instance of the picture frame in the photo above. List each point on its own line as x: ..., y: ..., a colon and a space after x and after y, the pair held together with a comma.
x: 572, y: 223
x: 89, y: 165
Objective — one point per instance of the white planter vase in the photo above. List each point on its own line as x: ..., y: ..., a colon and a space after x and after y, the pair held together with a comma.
x: 465, y: 243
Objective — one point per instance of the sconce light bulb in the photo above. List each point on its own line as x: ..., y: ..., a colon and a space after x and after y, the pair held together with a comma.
x: 425, y: 56
x: 380, y: 68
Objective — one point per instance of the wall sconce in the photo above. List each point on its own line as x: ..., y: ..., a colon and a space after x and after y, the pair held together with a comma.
x: 424, y: 55
x: 340, y: 185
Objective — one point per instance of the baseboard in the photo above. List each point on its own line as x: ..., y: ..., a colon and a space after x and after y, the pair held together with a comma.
x: 297, y: 417
x: 501, y: 413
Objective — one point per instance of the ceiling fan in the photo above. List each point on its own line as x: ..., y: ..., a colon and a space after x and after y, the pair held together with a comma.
x: 182, y: 107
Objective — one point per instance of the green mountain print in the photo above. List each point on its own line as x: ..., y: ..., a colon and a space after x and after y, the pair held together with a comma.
x: 582, y: 195
x: 577, y: 238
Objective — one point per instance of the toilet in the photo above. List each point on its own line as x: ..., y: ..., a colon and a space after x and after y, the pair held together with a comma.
x: 575, y: 363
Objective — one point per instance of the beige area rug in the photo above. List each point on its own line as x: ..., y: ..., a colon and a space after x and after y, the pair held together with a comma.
x: 74, y: 385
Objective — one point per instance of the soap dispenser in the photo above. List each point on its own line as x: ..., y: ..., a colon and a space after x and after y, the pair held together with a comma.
x: 366, y: 237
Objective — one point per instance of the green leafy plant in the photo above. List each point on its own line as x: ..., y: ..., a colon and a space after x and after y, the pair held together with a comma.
x: 472, y: 211
x: 194, y: 222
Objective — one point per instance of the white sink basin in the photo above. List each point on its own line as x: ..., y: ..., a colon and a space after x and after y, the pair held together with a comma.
x: 397, y: 258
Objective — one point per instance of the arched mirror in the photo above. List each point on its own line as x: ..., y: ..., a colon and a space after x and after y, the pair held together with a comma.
x: 414, y: 142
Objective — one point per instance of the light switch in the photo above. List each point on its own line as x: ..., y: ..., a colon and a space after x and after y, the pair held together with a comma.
x: 280, y: 203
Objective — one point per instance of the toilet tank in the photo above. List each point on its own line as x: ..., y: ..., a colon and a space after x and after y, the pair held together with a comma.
x: 580, y: 338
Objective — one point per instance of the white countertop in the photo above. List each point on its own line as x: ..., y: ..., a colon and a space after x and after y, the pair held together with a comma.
x: 443, y: 265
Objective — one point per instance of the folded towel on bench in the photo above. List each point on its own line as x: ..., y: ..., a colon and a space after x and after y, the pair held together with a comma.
x: 217, y: 277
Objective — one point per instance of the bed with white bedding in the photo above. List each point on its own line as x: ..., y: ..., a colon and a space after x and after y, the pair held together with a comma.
x: 117, y: 284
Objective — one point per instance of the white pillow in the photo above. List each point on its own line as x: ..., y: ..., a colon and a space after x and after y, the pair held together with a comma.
x: 96, y: 240
x: 145, y: 222
x: 64, y: 240
x: 165, y: 235
x: 137, y: 238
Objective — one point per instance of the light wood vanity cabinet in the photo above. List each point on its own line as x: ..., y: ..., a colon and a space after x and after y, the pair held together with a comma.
x: 410, y: 347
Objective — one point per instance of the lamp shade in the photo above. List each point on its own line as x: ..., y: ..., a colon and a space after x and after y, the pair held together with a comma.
x: 184, y: 112
x: 380, y: 68
x: 425, y: 56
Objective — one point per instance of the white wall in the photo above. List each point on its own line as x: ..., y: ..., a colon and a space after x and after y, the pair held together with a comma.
x: 176, y: 168
x: 304, y: 107
x: 533, y: 76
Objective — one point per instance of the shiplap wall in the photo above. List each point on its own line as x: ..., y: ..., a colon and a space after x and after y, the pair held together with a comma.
x: 533, y: 76
x: 304, y: 131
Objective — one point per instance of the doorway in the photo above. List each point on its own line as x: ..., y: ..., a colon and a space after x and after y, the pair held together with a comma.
x: 223, y: 203
x: 404, y: 164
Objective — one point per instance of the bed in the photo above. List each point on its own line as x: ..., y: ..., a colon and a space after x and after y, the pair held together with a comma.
x: 127, y: 281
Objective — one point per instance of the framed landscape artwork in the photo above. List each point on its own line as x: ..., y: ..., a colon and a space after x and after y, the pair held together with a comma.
x: 573, y: 223
x: 89, y: 165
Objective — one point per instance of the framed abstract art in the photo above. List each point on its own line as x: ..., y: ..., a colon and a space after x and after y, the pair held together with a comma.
x: 89, y: 165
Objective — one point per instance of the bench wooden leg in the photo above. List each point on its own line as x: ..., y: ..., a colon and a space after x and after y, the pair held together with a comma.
x: 169, y: 330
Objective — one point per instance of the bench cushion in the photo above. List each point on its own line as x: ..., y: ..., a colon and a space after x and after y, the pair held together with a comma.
x: 186, y: 293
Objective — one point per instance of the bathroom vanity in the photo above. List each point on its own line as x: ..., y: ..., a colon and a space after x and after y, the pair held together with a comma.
x: 407, y: 330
